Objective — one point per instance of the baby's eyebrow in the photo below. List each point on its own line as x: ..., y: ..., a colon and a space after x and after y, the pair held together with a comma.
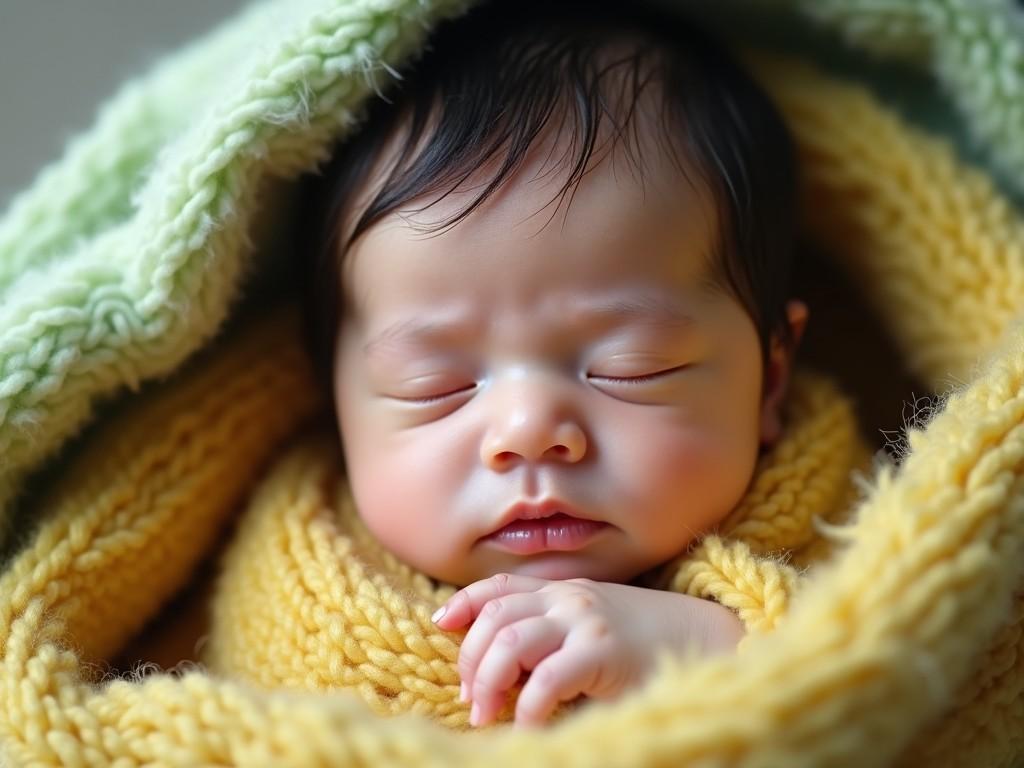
x: 648, y: 309
x: 653, y: 310
x: 413, y: 330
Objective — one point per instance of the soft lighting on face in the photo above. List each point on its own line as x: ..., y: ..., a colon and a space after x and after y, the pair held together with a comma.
x: 588, y: 360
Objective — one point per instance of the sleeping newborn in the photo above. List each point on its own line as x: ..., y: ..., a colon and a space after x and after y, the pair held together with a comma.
x: 550, y: 292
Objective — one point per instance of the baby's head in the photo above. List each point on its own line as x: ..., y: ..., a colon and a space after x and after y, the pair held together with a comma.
x: 550, y: 280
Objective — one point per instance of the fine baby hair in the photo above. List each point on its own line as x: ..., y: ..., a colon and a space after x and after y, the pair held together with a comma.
x: 547, y: 275
x: 493, y: 81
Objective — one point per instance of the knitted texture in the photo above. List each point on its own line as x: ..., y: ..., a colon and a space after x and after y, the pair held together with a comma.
x: 305, y: 581
x: 124, y: 257
x: 974, y: 48
x: 307, y: 600
x: 113, y: 274
x: 901, y: 643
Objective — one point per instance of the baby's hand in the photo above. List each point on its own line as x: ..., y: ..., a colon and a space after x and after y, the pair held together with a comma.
x: 577, y: 636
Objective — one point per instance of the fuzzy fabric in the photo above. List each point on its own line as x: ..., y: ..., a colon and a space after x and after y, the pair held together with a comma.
x: 894, y: 636
x: 305, y: 598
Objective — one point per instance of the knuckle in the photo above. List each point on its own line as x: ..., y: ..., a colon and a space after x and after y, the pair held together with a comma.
x: 467, y: 660
x: 581, y: 601
x: 501, y: 580
x: 507, y: 636
x: 482, y: 688
x: 543, y: 678
x: 598, y: 628
x: 582, y: 580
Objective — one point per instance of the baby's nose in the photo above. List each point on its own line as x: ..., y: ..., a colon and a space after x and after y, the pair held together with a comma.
x: 532, y: 424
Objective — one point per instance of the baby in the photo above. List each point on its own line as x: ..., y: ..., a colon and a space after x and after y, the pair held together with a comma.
x: 550, y: 295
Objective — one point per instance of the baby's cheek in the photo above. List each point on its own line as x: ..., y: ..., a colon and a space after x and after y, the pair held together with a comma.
x: 689, y: 474
x: 381, y: 492
x: 401, y: 495
x: 680, y: 461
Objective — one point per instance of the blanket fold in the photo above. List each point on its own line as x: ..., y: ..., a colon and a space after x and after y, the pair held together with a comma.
x: 884, y: 614
x: 306, y: 599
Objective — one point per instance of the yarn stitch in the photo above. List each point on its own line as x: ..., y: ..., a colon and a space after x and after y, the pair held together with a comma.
x: 895, y: 637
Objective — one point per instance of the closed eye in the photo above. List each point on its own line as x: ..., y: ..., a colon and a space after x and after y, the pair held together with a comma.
x: 430, y: 399
x: 645, y: 378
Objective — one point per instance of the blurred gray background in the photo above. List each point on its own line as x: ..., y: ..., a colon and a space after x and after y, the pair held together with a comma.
x: 60, y: 59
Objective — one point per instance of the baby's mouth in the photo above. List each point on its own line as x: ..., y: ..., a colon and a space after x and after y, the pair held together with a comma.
x: 555, y: 533
x: 551, y: 525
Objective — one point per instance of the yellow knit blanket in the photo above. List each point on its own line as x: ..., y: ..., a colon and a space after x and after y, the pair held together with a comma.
x: 898, y: 628
x: 306, y: 599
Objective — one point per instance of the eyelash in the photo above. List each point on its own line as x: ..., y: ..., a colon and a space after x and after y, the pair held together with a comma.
x: 432, y: 399
x: 631, y: 380
x: 628, y: 380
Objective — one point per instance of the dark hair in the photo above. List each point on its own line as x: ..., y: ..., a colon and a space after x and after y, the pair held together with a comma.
x: 490, y: 81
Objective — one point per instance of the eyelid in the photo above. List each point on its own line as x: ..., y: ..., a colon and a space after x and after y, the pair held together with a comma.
x: 432, y: 399
x: 641, y: 379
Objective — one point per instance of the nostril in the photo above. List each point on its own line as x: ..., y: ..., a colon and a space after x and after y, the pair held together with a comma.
x: 503, y: 457
x: 559, y: 451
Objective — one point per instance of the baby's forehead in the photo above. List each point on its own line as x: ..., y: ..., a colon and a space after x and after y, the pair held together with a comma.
x: 497, y: 113
x: 656, y: 206
x: 615, y: 234
x: 630, y: 140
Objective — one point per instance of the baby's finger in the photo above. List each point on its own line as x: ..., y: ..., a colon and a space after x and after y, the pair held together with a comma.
x: 516, y: 647
x: 496, y: 614
x: 562, y: 676
x: 465, y: 605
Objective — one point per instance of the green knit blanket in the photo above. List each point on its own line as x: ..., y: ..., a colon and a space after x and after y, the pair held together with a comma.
x: 126, y: 255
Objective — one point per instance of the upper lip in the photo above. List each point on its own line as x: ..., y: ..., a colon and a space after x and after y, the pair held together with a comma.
x: 535, y: 510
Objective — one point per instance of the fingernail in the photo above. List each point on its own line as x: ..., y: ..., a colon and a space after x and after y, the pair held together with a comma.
x: 463, y: 692
x: 474, y: 714
x: 439, y: 613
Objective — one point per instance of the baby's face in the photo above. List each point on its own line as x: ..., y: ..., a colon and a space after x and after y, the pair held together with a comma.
x: 585, y: 366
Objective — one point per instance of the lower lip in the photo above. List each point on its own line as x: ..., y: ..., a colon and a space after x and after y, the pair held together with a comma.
x: 558, y: 533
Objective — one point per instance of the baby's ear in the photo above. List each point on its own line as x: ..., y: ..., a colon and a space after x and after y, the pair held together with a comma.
x: 778, y: 370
